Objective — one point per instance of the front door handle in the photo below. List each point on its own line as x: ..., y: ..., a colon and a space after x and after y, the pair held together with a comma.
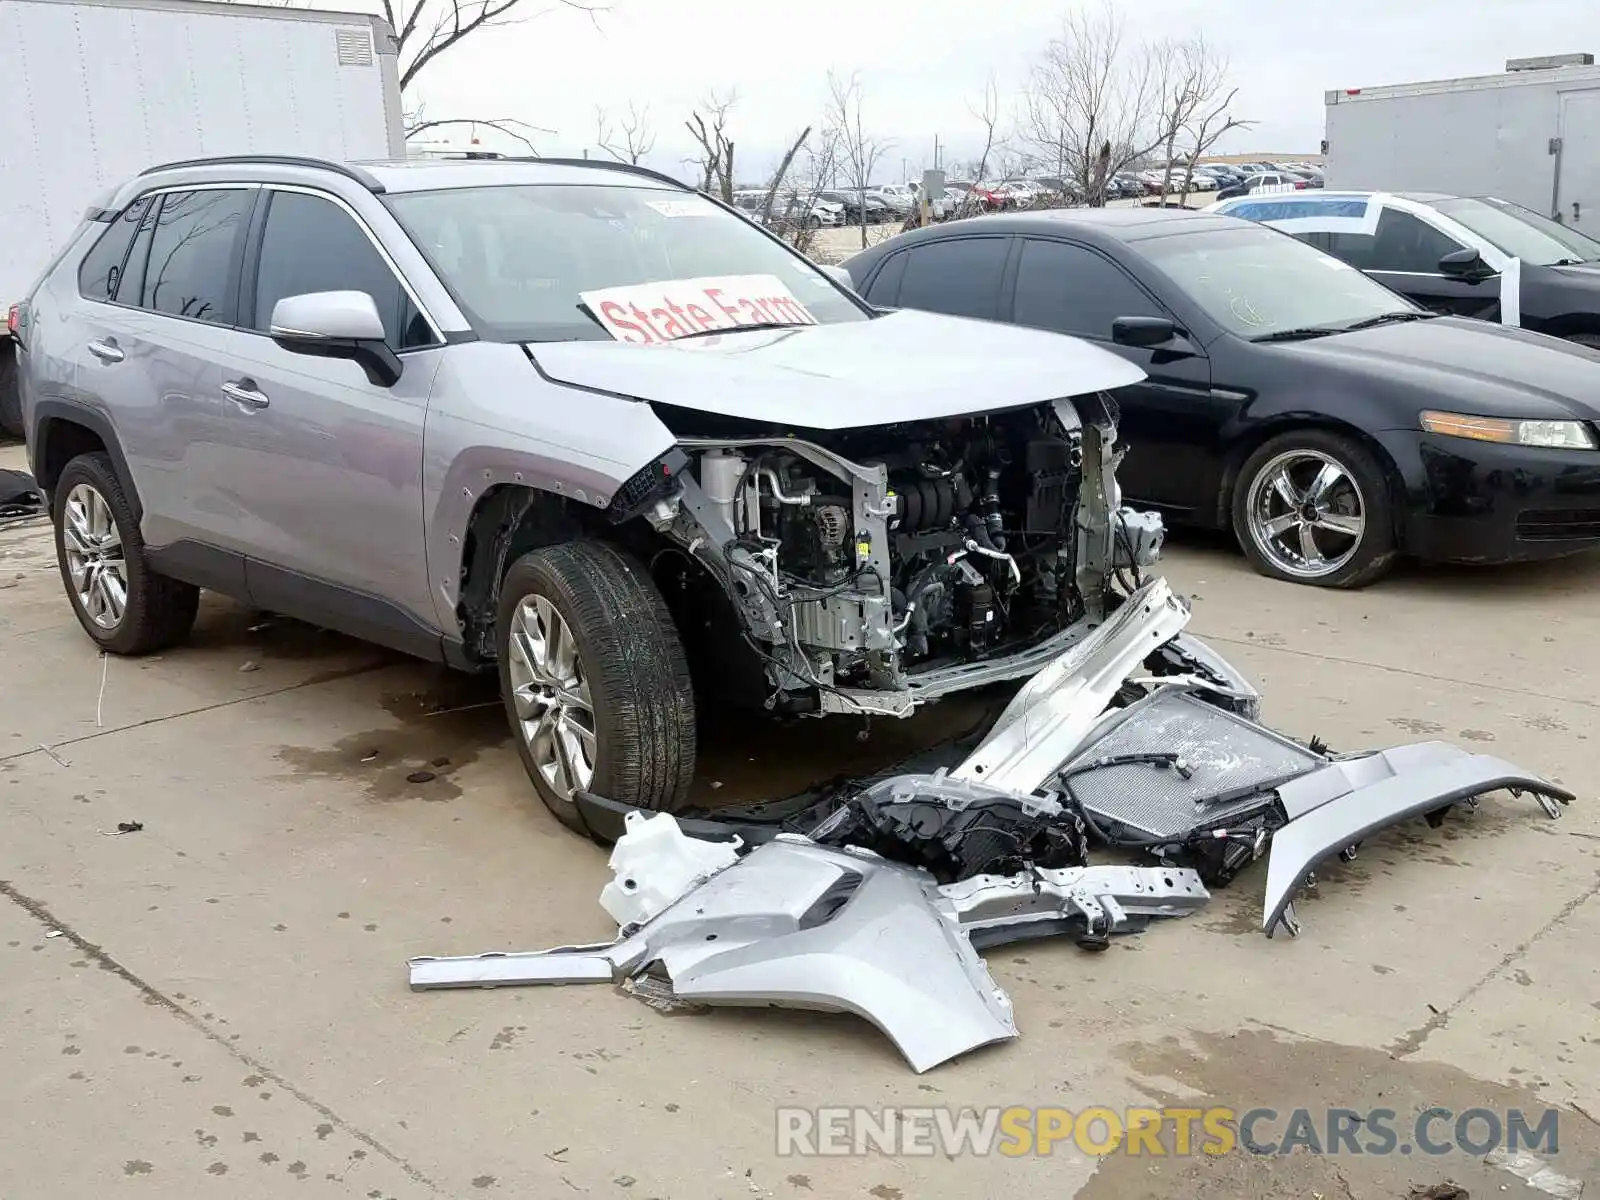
x: 243, y: 391
x: 107, y: 351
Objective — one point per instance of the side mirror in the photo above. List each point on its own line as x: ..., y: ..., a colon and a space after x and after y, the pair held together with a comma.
x: 838, y: 274
x: 337, y: 325
x: 1465, y: 263
x: 1142, y: 331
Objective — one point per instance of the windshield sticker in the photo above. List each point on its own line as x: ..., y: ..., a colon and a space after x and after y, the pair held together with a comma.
x: 682, y: 208
x: 649, y: 314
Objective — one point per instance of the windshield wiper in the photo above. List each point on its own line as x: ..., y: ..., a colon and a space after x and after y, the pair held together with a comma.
x: 698, y: 333
x: 1390, y: 318
x: 1297, y: 335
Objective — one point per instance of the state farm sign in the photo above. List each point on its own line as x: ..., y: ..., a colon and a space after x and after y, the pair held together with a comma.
x: 655, y: 313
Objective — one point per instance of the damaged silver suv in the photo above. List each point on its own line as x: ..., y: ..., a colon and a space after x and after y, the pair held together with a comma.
x: 572, y: 422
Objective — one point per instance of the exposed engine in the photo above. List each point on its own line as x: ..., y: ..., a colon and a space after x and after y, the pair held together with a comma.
x: 894, y: 554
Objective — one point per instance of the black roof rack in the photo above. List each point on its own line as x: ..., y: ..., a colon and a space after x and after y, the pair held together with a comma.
x: 365, y: 179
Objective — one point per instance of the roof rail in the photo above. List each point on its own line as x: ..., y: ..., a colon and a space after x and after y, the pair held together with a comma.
x: 366, y: 180
x: 601, y: 164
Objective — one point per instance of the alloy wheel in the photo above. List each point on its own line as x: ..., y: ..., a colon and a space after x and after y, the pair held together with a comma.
x: 95, y: 561
x: 550, y: 691
x: 1306, y: 513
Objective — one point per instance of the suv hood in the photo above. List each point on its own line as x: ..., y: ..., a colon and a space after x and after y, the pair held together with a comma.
x: 903, y: 366
x: 1472, y: 366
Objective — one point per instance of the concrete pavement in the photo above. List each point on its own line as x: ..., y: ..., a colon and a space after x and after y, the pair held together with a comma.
x: 223, y: 1009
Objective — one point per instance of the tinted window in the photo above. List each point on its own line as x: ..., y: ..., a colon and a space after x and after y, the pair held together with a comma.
x: 1070, y: 289
x: 960, y: 277
x: 1353, y: 248
x: 191, y: 265
x: 312, y: 245
x: 101, y: 269
x: 1406, y: 243
x: 885, y: 289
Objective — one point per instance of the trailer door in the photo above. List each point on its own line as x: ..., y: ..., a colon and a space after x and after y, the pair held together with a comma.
x: 1578, y: 186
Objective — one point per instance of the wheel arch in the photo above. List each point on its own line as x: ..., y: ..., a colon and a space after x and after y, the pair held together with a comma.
x: 61, y: 432
x: 1240, y: 450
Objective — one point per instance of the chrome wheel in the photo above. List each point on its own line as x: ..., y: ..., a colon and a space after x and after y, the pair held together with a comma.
x: 551, y: 693
x: 1306, y: 513
x: 95, y: 562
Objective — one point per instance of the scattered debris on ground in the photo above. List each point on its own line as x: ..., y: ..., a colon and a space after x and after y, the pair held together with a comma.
x: 876, y: 897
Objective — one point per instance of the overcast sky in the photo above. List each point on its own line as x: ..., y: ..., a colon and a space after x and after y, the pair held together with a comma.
x: 924, y: 63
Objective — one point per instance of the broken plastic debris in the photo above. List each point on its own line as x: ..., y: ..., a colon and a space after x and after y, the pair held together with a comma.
x: 129, y: 826
x: 654, y: 863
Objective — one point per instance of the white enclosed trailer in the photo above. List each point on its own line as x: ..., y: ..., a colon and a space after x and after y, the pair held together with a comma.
x: 1530, y: 135
x: 94, y: 91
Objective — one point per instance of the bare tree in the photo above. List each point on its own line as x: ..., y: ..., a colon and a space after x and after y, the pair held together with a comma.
x: 633, y: 138
x: 807, y: 168
x: 1212, y: 118
x: 859, y: 153
x: 510, y: 126
x: 1090, y: 102
x: 425, y: 29
x: 1195, y: 101
x: 708, y: 126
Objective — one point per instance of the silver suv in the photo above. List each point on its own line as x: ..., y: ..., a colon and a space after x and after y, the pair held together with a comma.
x: 571, y: 422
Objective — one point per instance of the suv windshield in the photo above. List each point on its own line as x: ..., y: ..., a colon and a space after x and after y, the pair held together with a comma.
x: 516, y: 258
x: 1520, y: 232
x: 1255, y: 282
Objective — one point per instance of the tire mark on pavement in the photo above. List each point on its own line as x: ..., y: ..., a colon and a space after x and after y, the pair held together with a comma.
x: 39, y: 912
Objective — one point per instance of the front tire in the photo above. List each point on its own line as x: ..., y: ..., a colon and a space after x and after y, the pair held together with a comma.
x: 122, y: 602
x: 595, y: 682
x: 1311, y: 506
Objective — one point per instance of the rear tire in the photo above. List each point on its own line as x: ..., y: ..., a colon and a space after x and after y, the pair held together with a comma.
x: 1312, y: 506
x: 595, y: 682
x: 118, y: 598
x: 10, y: 391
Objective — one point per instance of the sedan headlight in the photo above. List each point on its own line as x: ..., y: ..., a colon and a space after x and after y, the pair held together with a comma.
x: 1558, y: 435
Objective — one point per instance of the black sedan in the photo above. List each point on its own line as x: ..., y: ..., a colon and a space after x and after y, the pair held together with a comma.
x: 1330, y: 422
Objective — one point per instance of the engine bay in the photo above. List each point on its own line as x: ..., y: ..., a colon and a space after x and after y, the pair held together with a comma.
x: 880, y: 559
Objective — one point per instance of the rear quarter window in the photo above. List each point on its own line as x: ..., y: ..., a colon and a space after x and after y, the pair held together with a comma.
x: 101, y: 269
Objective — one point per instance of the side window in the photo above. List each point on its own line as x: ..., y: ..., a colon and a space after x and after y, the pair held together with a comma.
x: 191, y: 268
x: 102, y: 268
x: 960, y: 277
x: 312, y: 245
x: 1071, y: 289
x: 1408, y: 243
x: 885, y: 289
x: 1353, y: 248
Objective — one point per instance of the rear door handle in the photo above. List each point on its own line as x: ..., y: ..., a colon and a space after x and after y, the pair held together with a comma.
x: 243, y: 391
x: 107, y: 351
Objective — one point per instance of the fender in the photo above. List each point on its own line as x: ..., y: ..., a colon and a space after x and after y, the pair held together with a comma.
x: 48, y: 417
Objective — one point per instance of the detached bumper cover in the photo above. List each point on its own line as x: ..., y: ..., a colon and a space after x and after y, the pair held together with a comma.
x: 1337, y: 806
x: 797, y: 925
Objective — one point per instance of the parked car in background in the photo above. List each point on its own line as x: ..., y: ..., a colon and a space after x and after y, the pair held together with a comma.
x: 445, y: 411
x: 894, y: 198
x: 1470, y: 256
x: 1328, y: 421
x: 1265, y: 183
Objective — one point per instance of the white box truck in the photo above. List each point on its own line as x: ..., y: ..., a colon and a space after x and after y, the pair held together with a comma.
x: 94, y: 91
x: 1530, y: 135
